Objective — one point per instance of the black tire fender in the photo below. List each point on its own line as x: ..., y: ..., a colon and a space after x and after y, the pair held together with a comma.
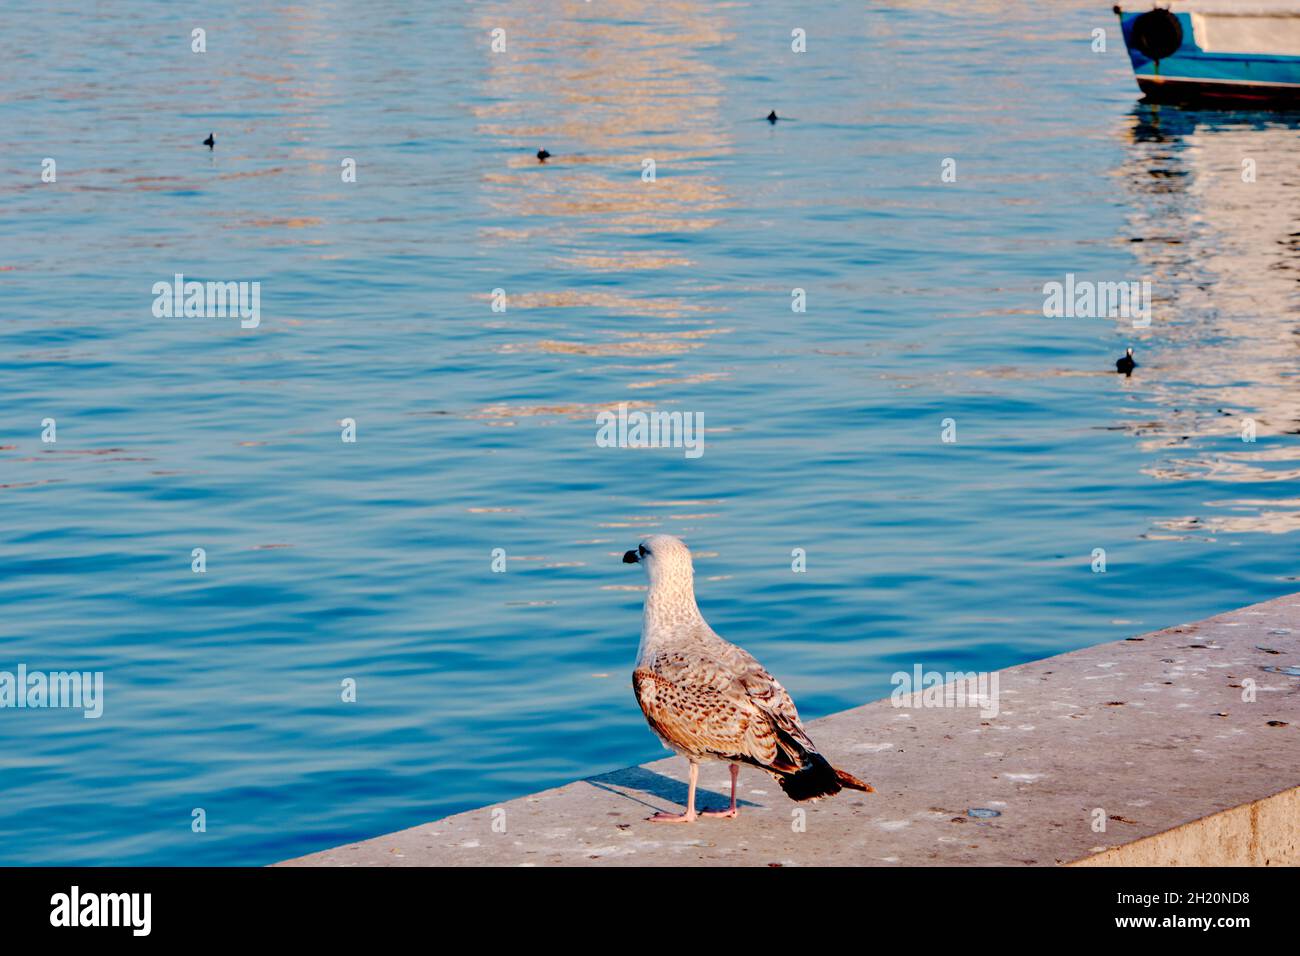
x: 1157, y: 34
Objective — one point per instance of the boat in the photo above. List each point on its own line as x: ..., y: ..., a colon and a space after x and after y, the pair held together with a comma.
x: 1227, y: 52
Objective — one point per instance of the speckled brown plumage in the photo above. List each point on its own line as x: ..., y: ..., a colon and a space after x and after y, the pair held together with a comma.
x: 708, y: 699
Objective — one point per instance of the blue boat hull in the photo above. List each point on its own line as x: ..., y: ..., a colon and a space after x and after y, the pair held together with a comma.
x: 1190, y: 74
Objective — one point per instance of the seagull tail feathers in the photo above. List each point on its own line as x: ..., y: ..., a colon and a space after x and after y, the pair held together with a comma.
x: 819, y: 779
x: 850, y: 782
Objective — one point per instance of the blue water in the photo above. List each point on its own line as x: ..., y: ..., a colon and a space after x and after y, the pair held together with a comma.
x: 476, y: 429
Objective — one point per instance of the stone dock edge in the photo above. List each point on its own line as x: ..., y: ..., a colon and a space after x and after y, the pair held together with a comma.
x: 1176, y: 747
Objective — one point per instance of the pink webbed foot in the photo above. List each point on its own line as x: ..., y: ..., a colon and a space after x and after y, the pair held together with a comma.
x: 672, y: 818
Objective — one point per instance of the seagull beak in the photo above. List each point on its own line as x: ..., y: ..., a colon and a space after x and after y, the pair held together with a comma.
x: 630, y: 557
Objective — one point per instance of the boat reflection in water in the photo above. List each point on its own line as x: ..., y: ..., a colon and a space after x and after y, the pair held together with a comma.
x: 1215, y: 223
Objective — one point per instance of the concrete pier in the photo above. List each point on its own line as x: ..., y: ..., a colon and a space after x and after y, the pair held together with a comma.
x: 1177, y: 747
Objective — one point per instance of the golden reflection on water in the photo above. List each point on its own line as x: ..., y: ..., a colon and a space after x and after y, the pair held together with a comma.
x: 1223, y: 257
x: 589, y: 88
x: 610, y: 302
x: 624, y: 262
x: 593, y: 87
x: 681, y: 380
x: 648, y: 343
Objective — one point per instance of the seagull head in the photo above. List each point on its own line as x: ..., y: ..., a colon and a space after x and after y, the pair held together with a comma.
x: 665, y: 558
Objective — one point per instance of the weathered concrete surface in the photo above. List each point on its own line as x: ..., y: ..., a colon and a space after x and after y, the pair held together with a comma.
x: 1260, y: 833
x: 1151, y: 733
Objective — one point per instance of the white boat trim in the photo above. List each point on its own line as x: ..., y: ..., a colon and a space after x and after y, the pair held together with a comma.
x: 1228, y: 8
x: 1212, y: 81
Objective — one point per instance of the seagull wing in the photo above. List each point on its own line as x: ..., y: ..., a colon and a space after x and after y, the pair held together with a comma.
x: 723, y: 704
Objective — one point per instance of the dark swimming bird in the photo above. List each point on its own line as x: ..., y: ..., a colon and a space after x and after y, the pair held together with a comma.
x: 772, y: 117
x: 543, y: 155
x: 1126, y: 364
x: 209, y: 142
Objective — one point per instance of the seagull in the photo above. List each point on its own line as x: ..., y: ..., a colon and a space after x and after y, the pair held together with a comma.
x: 1126, y: 363
x: 708, y: 699
x: 209, y: 142
x: 543, y: 155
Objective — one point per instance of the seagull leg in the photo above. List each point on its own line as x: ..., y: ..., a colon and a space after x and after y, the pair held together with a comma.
x: 731, y: 813
x: 689, y: 815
